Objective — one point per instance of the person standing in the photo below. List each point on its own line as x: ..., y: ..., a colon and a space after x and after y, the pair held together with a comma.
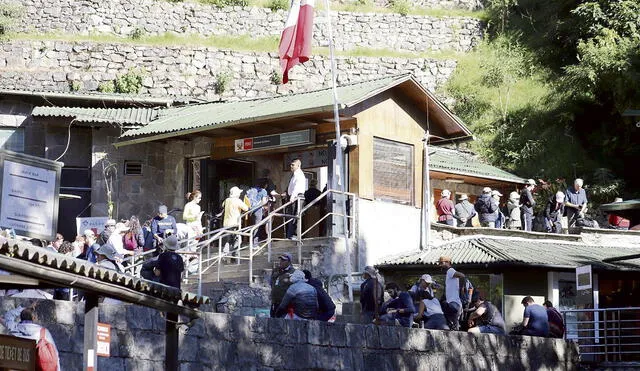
x: 161, y: 224
x: 170, y: 265
x: 445, y: 208
x: 553, y: 212
x: 452, y: 307
x: 192, y: 214
x: 576, y: 202
x: 486, y: 208
x: 535, y: 321
x: 371, y: 295
x: 295, y: 190
x: 233, y: 209
x: 526, y: 205
x: 500, y: 220
x: 513, y: 208
x: 464, y: 212
x: 258, y: 199
x: 109, y: 227
x: 280, y: 281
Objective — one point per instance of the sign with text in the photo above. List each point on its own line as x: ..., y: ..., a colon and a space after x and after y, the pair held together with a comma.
x: 30, y: 193
x: 95, y: 223
x: 293, y: 138
x: 17, y: 353
x: 104, y: 339
x: 309, y: 159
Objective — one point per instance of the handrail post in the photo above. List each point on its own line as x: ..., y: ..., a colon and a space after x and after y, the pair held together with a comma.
x: 269, y: 228
x: 606, y: 340
x: 200, y: 273
x: 219, y: 257
x: 250, y: 260
x: 299, y: 229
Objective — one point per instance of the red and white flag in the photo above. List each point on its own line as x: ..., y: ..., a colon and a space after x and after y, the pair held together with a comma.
x: 295, y: 43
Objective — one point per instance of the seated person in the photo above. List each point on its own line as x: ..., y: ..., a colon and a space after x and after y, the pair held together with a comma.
x: 486, y: 319
x: 400, y: 307
x: 430, y: 312
x: 556, y: 323
x: 535, y: 321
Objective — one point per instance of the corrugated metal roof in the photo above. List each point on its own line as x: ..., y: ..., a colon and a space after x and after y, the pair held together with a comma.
x: 135, y: 116
x: 102, y: 97
x: 456, y: 162
x: 518, y: 251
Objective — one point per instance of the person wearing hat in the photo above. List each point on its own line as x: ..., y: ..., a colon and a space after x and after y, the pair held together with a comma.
x: 553, y: 212
x: 170, y: 265
x: 513, y: 208
x: 464, y: 211
x: 486, y: 208
x: 280, y: 281
x: 109, y: 227
x: 452, y: 306
x: 445, y: 207
x: 618, y: 222
x: 575, y: 202
x: 300, y: 301
x: 424, y: 284
x: 371, y: 295
x: 500, y: 220
x: 162, y: 225
x: 107, y: 257
x: 526, y: 205
x: 233, y: 208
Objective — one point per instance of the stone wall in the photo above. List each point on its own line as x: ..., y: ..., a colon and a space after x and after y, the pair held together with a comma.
x: 223, y: 342
x: 190, y: 71
x: 152, y: 17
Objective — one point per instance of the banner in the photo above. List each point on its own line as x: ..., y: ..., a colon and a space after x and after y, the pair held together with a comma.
x: 95, y: 223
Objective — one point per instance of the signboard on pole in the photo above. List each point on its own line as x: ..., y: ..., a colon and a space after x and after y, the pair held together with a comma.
x: 95, y: 223
x: 17, y: 353
x: 293, y: 138
x: 30, y: 193
x: 104, y: 339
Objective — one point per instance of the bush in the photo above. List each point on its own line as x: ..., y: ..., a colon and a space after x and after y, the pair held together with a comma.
x: 8, y: 15
x: 401, y: 7
x: 75, y: 85
x: 276, y: 78
x: 107, y: 87
x: 226, y: 3
x: 129, y: 83
x: 222, y: 82
x: 136, y: 34
x: 276, y: 5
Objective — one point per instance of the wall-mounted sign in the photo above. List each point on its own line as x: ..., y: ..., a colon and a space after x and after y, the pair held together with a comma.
x: 30, y: 193
x: 95, y: 223
x: 583, y: 278
x: 17, y: 353
x: 104, y: 339
x: 290, y: 139
x: 309, y: 159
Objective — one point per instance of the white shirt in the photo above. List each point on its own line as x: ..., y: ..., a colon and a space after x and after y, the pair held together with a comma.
x: 452, y: 287
x: 117, y: 240
x: 432, y: 307
x: 297, y: 184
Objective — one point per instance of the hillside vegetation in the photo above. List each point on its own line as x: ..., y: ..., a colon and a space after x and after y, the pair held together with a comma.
x: 546, y: 92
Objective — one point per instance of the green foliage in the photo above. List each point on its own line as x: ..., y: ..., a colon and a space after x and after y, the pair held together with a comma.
x: 129, y: 83
x: 275, y: 77
x: 276, y: 5
x: 222, y: 82
x: 9, y: 13
x: 402, y: 7
x: 75, y: 85
x: 499, y: 11
x: 137, y: 34
x: 604, y: 187
x: 107, y: 87
x: 226, y: 3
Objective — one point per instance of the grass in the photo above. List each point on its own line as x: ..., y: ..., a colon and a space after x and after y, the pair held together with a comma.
x: 239, y: 43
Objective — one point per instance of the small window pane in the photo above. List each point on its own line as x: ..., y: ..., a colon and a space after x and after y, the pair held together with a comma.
x: 393, y: 171
x: 12, y: 139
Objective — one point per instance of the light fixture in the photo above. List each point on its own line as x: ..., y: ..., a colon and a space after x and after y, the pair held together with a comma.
x: 454, y: 180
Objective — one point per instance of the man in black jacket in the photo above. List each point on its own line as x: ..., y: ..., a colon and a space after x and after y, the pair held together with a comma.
x: 280, y: 281
x: 527, y: 203
x: 326, y: 307
x: 371, y: 295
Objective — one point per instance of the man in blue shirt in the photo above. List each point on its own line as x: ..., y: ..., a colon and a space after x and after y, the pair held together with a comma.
x: 575, y: 202
x: 258, y: 198
x: 400, y: 307
x: 161, y: 224
x: 535, y: 320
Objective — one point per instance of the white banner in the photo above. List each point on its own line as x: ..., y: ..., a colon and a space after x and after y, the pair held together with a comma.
x: 95, y: 223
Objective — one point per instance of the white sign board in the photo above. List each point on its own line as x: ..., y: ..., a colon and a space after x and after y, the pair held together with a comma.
x: 583, y: 278
x: 30, y: 192
x: 95, y: 223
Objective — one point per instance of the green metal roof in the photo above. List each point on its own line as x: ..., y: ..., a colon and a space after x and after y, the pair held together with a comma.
x: 130, y: 116
x: 632, y: 113
x: 456, y: 162
x: 201, y: 117
x: 130, y: 99
x: 487, y: 251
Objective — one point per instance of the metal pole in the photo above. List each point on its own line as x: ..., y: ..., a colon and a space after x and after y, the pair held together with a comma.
x: 426, y: 196
x: 338, y: 183
x: 200, y: 273
x: 250, y: 256
x: 299, y: 228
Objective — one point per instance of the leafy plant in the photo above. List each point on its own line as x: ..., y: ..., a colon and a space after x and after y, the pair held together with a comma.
x: 107, y: 87
x: 226, y: 3
x: 75, y: 85
x: 275, y: 77
x: 222, y: 82
x: 9, y: 13
x: 402, y: 7
x: 129, y: 83
x: 276, y: 5
x: 137, y: 34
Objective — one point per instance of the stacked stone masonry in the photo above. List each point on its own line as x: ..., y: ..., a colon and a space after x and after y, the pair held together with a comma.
x: 152, y: 17
x: 223, y: 342
x: 190, y: 71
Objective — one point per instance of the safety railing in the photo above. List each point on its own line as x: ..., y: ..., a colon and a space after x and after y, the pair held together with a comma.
x: 605, y: 335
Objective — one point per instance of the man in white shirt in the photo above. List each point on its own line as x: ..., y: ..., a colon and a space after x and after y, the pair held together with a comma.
x: 296, y: 188
x: 452, y: 308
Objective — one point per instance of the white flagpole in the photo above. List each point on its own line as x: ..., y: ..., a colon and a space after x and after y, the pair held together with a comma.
x: 338, y: 181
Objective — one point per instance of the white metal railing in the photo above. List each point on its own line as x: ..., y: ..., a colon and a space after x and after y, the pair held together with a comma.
x: 605, y: 335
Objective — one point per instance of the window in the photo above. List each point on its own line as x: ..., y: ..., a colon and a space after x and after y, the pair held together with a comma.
x: 12, y: 139
x: 132, y: 168
x: 393, y: 171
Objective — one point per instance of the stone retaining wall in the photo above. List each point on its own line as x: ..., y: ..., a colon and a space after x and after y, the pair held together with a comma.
x: 223, y: 342
x: 190, y: 71
x: 151, y: 17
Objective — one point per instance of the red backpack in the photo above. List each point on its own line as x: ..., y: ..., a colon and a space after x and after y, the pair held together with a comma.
x: 130, y: 241
x: 46, y: 355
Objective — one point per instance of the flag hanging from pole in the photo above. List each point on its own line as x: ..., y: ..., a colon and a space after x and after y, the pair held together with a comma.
x: 295, y: 43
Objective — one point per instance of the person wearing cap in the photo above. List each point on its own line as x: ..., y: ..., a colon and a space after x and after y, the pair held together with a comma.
x: 399, y: 308
x: 553, y: 212
x: 486, y: 208
x: 117, y: 239
x: 464, y: 211
x: 486, y: 318
x: 526, y: 205
x: 300, y: 301
x: 161, y: 224
x: 109, y: 227
x: 445, y: 207
x: 280, y: 281
x: 233, y: 208
x: 169, y: 266
x: 452, y: 306
x: 513, y: 208
x: 495, y: 197
x: 371, y: 295
x: 535, y: 321
x: 618, y: 222
x: 575, y: 202
x: 424, y: 284
x: 295, y: 190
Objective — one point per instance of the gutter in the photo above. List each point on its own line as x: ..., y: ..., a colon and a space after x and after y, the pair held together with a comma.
x: 94, y: 98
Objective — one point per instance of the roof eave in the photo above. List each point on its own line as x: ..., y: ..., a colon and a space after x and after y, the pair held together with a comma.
x: 447, y: 171
x: 98, y: 98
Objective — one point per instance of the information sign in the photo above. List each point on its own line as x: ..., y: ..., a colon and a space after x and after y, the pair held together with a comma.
x: 104, y: 339
x: 293, y: 138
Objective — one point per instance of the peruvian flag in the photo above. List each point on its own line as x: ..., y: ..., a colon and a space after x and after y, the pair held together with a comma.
x: 295, y: 43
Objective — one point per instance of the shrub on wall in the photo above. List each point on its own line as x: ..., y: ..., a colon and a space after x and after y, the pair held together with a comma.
x: 276, y: 5
x: 107, y: 87
x: 8, y: 15
x: 222, y: 82
x: 225, y: 3
x: 400, y: 6
x: 129, y: 83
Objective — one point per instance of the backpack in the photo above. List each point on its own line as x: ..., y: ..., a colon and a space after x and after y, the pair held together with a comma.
x: 130, y: 241
x: 46, y: 355
x: 483, y: 205
x: 254, y: 197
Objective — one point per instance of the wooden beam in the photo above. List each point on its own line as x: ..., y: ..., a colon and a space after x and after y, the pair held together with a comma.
x: 89, y: 354
x: 171, y: 342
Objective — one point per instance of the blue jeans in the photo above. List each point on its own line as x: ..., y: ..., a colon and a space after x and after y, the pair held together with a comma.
x: 490, y: 329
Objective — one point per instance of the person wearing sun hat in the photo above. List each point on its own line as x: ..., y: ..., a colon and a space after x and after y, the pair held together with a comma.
x: 513, y: 208
x: 464, y: 211
x: 107, y: 257
x: 233, y: 209
x: 170, y: 265
x: 445, y: 207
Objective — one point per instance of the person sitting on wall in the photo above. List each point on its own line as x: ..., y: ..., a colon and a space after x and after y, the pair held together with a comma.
x: 445, y: 209
x: 535, y: 321
x: 430, y: 312
x: 553, y: 213
x: 399, y: 308
x: 556, y: 323
x: 300, y: 301
x: 486, y: 318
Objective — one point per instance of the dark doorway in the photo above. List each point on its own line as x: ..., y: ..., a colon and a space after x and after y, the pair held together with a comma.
x: 74, y: 181
x: 218, y: 176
